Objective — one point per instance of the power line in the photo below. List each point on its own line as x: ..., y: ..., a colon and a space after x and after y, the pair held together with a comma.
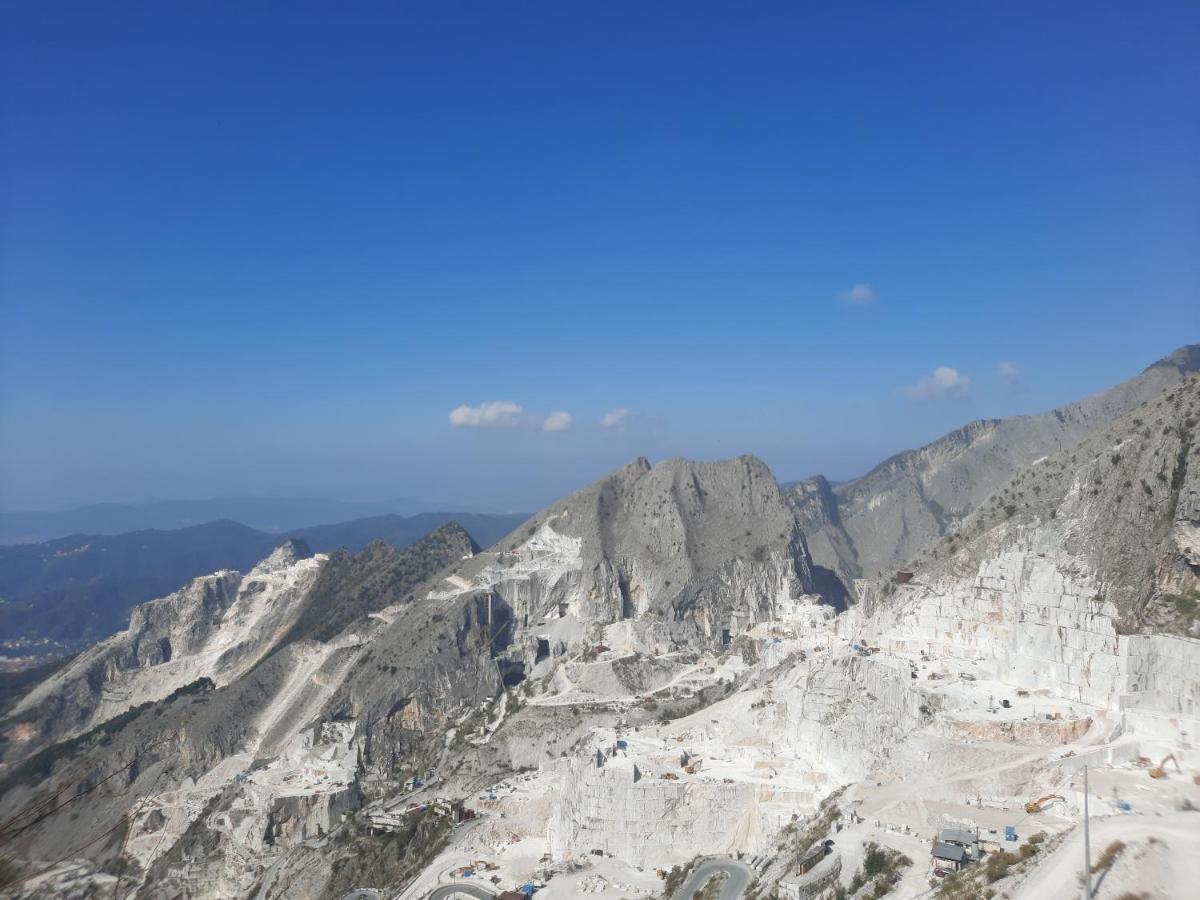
x: 128, y: 815
x: 8, y: 829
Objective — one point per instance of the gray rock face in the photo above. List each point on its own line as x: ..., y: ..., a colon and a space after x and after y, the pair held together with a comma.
x: 354, y: 585
x: 689, y: 542
x: 679, y: 554
x: 1061, y: 579
x: 833, y: 555
x: 876, y: 523
x: 1122, y: 507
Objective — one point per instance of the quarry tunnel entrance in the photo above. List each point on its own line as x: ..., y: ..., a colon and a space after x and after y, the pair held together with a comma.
x: 512, y: 672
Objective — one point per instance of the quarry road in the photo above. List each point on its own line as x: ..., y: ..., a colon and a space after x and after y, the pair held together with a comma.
x: 735, y: 884
x: 468, y: 890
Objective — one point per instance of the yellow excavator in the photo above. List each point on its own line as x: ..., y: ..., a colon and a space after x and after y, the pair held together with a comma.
x: 1036, y: 806
x: 1160, y: 770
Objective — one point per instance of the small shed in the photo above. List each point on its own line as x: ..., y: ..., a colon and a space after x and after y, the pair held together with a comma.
x: 949, y: 855
x: 963, y: 837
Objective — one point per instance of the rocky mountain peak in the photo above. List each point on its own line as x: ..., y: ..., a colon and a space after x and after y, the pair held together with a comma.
x: 455, y: 534
x: 685, y: 515
x: 680, y: 545
x: 289, y: 552
x: 1185, y: 360
x: 913, y: 498
x: 1122, y: 507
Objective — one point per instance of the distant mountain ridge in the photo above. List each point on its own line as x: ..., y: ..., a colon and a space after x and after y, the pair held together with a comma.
x: 873, y: 524
x: 278, y: 515
x: 81, y: 588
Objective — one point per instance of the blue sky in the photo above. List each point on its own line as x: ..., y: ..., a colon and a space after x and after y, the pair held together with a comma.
x: 268, y: 248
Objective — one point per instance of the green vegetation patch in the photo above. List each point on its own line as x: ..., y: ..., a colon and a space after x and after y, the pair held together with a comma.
x: 38, y: 767
x: 15, y: 685
x: 881, y: 872
x: 393, y: 858
x: 1177, y: 614
x: 352, y: 586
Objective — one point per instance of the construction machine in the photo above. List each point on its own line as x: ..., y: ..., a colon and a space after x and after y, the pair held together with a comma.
x: 1036, y: 806
x: 1160, y: 770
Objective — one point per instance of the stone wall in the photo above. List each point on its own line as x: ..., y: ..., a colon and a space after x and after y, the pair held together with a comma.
x: 814, y: 882
x: 844, y: 714
x: 1162, y: 675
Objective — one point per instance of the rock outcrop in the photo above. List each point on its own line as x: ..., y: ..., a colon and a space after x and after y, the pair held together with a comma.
x: 874, y: 524
x: 1054, y: 580
x: 684, y: 551
x: 217, y: 627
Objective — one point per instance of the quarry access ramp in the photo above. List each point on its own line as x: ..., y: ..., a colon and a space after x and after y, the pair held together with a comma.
x: 446, y: 891
x: 735, y: 885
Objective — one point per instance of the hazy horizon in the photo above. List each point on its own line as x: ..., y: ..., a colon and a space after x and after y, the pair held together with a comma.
x: 408, y: 505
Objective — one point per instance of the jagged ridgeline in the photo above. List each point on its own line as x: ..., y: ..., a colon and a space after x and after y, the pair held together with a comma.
x: 354, y: 585
x: 665, y: 547
x: 221, y: 626
x: 80, y: 589
x: 1120, y: 511
x: 871, y: 525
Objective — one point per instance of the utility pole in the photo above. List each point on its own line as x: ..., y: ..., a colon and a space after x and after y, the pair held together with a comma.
x: 1087, y: 850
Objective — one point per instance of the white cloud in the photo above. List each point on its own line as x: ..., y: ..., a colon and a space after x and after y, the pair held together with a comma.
x: 497, y: 414
x: 859, y: 295
x: 558, y: 420
x: 943, y: 383
x: 614, y: 417
x: 1009, y: 371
